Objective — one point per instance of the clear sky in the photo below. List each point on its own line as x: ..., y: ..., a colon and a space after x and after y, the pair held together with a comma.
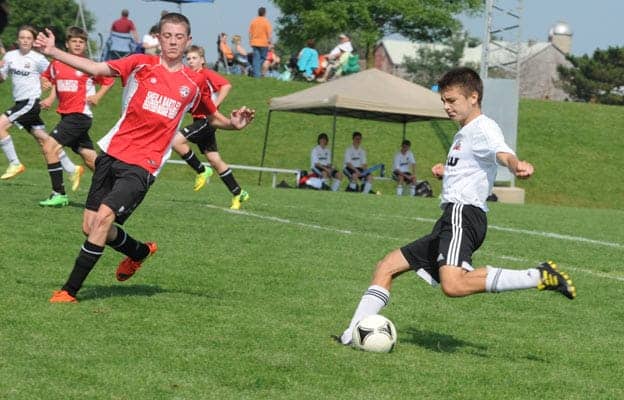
x: 595, y: 24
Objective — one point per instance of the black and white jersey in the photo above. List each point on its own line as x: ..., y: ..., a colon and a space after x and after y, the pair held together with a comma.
x: 320, y: 155
x: 25, y: 71
x: 403, y: 162
x: 357, y: 157
x: 471, y: 164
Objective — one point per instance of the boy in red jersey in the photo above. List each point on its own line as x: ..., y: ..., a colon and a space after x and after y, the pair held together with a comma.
x: 76, y: 93
x: 201, y: 133
x: 158, y: 91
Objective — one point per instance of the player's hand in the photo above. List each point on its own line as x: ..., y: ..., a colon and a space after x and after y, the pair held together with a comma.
x: 242, y: 117
x: 45, y: 42
x: 93, y: 100
x: 524, y: 170
x: 45, y: 84
x: 438, y: 170
x: 45, y: 104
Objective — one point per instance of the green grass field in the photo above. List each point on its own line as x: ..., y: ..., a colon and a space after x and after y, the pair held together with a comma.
x: 241, y: 305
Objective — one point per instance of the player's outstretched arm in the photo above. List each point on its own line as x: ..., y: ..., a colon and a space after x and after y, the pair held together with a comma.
x: 45, y: 44
x: 438, y: 170
x: 521, y: 169
x: 238, y: 119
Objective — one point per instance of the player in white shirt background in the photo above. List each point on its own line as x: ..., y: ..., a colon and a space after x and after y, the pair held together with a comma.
x: 355, y: 165
x: 444, y: 256
x: 404, y: 168
x: 24, y: 66
x: 320, y: 163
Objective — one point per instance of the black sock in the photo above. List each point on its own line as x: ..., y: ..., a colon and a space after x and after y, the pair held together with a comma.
x: 228, y: 178
x: 193, y: 162
x: 128, y: 246
x: 56, y: 177
x: 88, y: 256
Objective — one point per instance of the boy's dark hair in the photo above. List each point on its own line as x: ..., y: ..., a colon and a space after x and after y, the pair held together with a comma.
x: 322, y: 135
x: 76, y: 32
x: 174, y: 18
x: 310, y: 43
x: 406, y: 143
x: 465, y: 78
x: 261, y: 11
x: 356, y: 134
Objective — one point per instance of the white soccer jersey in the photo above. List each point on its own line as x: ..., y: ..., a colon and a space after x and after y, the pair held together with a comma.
x: 357, y: 157
x: 25, y: 71
x: 403, y: 162
x: 471, y: 164
x: 320, y: 156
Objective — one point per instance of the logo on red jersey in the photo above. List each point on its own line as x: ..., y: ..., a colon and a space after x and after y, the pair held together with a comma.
x: 162, y: 105
x: 184, y: 91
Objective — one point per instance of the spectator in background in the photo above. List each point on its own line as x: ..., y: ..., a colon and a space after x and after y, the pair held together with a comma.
x: 125, y: 25
x: 260, y: 32
x: 150, y: 43
x: 240, y: 54
x: 225, y: 52
x: 355, y: 166
x: 270, y: 67
x: 307, y: 60
x: 404, y: 169
x: 344, y: 46
x: 320, y: 160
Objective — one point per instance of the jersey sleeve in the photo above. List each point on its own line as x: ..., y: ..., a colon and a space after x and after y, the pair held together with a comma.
x: 104, y: 80
x: 396, y: 162
x: 49, y: 73
x: 217, y: 81
x: 124, y: 66
x: 205, y: 99
x: 489, y: 142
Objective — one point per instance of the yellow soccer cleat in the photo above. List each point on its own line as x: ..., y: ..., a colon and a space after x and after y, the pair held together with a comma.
x: 75, y: 177
x: 202, y: 178
x: 12, y: 171
x: 552, y: 279
x: 238, y: 199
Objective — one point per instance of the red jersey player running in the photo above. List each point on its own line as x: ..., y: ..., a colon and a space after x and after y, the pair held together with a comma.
x: 76, y: 94
x: 158, y: 91
x: 201, y: 133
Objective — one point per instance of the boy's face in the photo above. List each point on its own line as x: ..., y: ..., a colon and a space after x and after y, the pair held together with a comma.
x: 174, y: 39
x: 25, y: 40
x: 194, y: 60
x: 323, y: 142
x: 76, y: 46
x: 458, y: 106
x: 357, y: 140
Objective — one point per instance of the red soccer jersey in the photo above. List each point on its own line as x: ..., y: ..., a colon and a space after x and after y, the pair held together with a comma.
x: 73, y: 87
x: 215, y: 82
x: 154, y: 103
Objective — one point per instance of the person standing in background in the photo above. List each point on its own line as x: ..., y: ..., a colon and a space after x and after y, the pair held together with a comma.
x: 260, y: 32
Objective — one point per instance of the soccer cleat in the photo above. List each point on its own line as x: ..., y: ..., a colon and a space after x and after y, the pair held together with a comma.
x: 62, y: 296
x: 55, y: 200
x: 12, y: 171
x: 552, y: 279
x: 127, y: 267
x: 238, y: 199
x: 202, y: 178
x: 75, y: 177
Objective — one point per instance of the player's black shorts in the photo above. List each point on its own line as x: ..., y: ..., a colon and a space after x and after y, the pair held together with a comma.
x: 202, y: 134
x: 349, y: 171
x: 395, y: 176
x: 319, y: 172
x: 25, y: 114
x: 73, y: 131
x: 458, y: 233
x: 120, y: 186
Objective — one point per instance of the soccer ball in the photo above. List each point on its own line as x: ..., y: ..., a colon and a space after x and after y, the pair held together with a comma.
x: 375, y: 333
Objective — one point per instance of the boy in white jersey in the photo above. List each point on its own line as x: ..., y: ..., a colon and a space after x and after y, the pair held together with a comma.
x: 444, y: 256
x: 76, y: 95
x: 321, y: 163
x: 25, y: 67
x: 159, y: 90
x: 355, y: 165
x: 404, y: 168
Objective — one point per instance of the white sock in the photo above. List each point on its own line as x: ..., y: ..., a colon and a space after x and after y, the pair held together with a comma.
x: 352, y: 185
x: 9, y: 150
x: 400, y: 190
x: 501, y: 280
x: 66, y: 162
x: 367, y: 187
x: 375, y: 298
x: 335, y: 185
x: 413, y: 190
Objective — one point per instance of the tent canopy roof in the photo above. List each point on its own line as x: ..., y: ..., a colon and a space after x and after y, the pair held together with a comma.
x: 370, y: 94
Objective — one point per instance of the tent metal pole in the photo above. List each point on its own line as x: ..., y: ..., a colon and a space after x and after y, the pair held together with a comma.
x: 264, y: 147
x: 333, y: 138
x: 404, y: 128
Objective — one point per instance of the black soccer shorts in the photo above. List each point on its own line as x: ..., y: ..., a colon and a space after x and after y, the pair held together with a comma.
x: 202, y: 134
x: 25, y: 114
x: 73, y: 131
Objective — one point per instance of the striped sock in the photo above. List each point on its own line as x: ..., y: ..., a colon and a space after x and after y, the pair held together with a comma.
x: 375, y: 298
x: 502, y: 280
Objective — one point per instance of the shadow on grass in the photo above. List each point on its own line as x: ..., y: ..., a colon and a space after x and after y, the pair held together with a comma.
x: 76, y: 204
x: 101, y: 292
x: 442, y: 343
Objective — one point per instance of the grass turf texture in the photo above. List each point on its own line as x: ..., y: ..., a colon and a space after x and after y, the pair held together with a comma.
x: 241, y: 305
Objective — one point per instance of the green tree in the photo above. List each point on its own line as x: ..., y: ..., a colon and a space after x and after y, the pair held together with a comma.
x: 599, y: 78
x: 368, y: 21
x: 57, y: 15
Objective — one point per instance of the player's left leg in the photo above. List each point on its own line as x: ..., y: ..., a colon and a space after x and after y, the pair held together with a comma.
x: 368, y: 184
x: 50, y: 147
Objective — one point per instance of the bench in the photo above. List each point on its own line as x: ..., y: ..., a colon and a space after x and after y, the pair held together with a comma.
x: 273, y: 171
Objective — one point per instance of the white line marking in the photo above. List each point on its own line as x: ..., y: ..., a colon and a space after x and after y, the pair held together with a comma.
x: 348, y: 232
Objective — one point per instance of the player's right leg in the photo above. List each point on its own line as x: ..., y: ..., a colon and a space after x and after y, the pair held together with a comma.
x: 58, y: 197
x: 8, y: 148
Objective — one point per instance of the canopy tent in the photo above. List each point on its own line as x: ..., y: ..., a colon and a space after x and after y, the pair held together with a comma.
x: 370, y: 94
x: 179, y: 2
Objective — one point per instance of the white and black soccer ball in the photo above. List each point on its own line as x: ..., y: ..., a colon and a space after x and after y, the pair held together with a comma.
x: 375, y: 333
